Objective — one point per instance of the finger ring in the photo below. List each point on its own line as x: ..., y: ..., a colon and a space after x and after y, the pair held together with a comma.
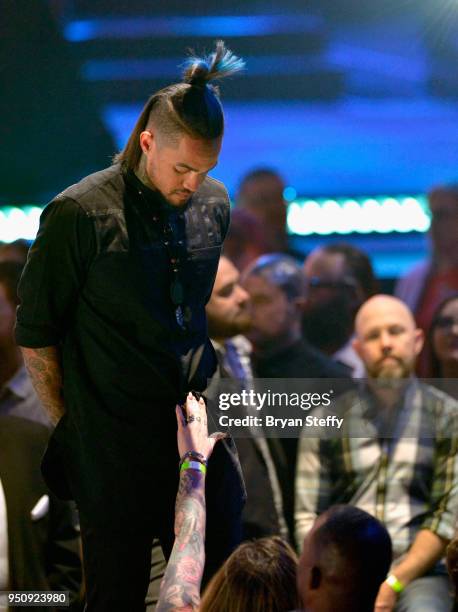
x: 191, y: 418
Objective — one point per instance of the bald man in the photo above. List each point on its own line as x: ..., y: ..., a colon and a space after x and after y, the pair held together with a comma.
x: 402, y: 470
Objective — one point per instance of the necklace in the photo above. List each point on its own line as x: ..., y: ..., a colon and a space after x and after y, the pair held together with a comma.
x: 169, y: 235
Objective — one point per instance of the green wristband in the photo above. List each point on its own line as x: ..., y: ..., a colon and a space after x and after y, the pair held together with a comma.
x: 395, y: 584
x: 193, y: 465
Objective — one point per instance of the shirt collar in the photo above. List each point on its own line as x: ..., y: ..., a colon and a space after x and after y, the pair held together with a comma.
x: 371, y: 406
x: 151, y: 196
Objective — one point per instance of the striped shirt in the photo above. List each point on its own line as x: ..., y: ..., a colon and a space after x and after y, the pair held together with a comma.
x: 409, y: 482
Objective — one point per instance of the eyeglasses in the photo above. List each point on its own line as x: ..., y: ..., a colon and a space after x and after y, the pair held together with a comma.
x: 446, y: 322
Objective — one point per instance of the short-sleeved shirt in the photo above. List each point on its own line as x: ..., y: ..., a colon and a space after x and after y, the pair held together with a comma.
x: 98, y: 284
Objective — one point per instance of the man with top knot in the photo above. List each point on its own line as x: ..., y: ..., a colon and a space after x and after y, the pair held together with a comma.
x: 113, y: 329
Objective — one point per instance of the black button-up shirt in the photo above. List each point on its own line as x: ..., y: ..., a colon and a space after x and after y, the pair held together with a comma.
x: 97, y: 282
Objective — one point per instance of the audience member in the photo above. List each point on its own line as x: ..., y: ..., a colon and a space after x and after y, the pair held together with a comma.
x: 443, y: 340
x: 339, y: 278
x: 436, y: 278
x: 345, y: 558
x: 245, y: 239
x: 261, y: 194
x: 15, y: 251
x: 17, y: 396
x: 275, y: 285
x: 228, y: 317
x: 39, y: 544
x: 404, y: 471
x: 259, y: 576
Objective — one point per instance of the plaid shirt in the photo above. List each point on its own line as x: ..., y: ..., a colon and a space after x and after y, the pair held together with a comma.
x: 409, y: 482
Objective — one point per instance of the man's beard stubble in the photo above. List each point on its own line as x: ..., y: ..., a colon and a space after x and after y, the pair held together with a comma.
x: 221, y: 328
x: 385, y: 371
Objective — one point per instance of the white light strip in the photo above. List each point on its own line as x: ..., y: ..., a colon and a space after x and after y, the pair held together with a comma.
x: 18, y: 223
x: 305, y: 217
x: 368, y: 215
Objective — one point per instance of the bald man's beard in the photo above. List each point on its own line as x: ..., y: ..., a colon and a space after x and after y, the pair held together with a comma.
x: 393, y: 368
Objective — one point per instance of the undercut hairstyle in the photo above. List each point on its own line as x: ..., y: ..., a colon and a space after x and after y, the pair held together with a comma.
x: 259, y: 576
x: 191, y: 108
x: 364, y: 544
x: 358, y: 266
x: 282, y: 271
x: 10, y: 273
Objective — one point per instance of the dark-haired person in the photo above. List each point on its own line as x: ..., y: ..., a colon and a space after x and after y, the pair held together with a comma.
x: 339, y: 278
x: 275, y: 284
x: 260, y: 194
x: 345, y: 558
x: 443, y: 340
x: 112, y: 321
x: 432, y: 280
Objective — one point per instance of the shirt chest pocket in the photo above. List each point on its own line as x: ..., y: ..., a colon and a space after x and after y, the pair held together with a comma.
x: 126, y: 277
x: 200, y: 272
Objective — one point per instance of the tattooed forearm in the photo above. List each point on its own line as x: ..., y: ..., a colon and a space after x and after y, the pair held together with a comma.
x: 180, y: 589
x: 45, y: 370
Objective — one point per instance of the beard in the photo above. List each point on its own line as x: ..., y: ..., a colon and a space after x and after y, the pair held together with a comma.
x: 223, y: 328
x: 329, y: 325
x: 392, y: 368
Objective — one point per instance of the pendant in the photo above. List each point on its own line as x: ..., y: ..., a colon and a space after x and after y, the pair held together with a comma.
x: 179, y: 316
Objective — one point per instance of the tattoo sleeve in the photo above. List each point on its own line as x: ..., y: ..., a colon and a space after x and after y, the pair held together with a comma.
x: 45, y: 370
x: 180, y: 588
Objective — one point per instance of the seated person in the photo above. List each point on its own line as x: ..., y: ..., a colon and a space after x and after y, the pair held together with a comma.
x: 434, y: 279
x: 275, y: 284
x: 346, y: 557
x: 400, y: 466
x: 443, y: 340
x: 339, y: 278
x: 259, y: 576
x: 39, y: 544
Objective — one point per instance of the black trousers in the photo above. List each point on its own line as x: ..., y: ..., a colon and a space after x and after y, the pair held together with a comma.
x: 117, y: 555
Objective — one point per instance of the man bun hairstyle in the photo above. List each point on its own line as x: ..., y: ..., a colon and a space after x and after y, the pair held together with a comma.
x: 191, y: 108
x: 217, y: 65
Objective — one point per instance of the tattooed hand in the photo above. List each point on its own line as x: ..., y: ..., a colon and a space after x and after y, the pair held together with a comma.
x: 193, y: 430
